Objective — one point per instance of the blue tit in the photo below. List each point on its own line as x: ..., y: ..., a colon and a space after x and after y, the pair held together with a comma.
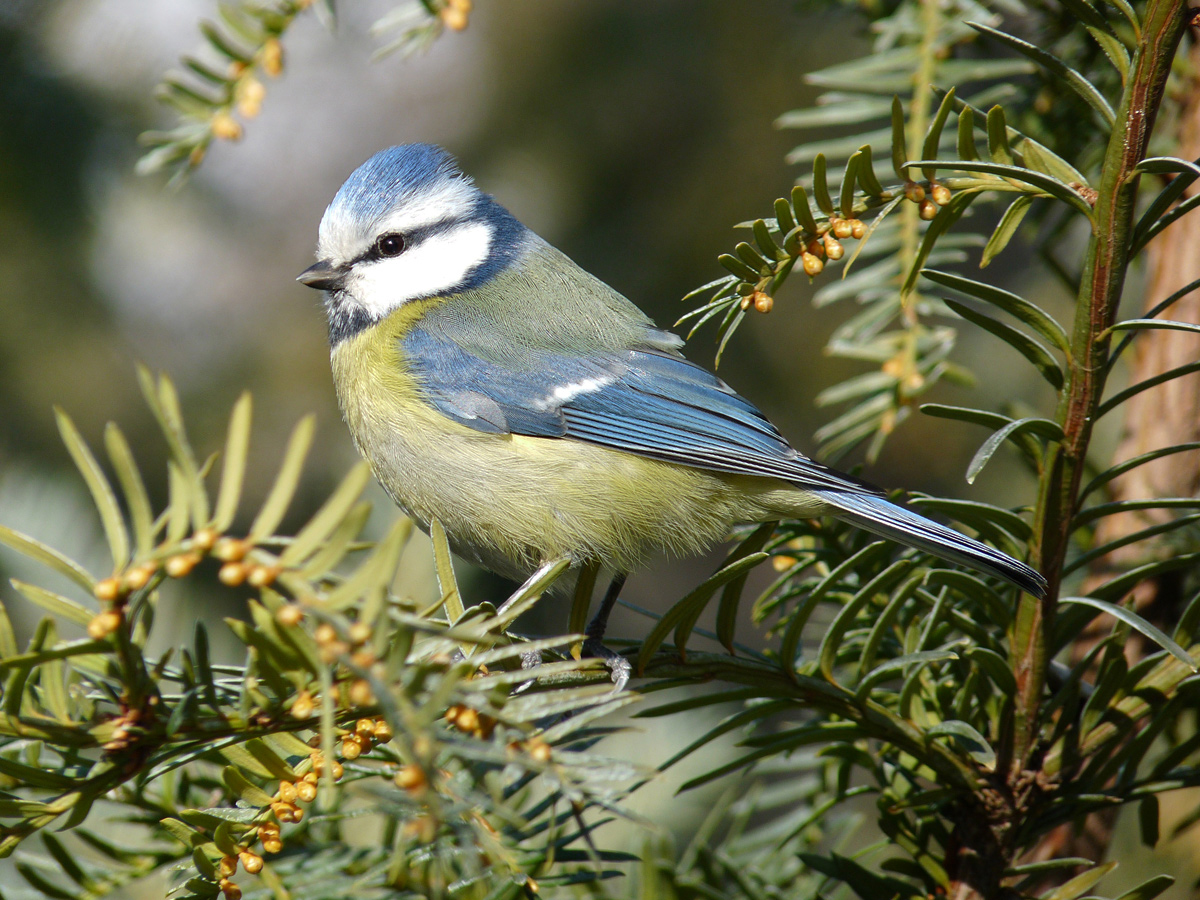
x: 537, y: 413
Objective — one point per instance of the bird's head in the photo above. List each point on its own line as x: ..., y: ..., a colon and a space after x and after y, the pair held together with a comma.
x: 407, y: 225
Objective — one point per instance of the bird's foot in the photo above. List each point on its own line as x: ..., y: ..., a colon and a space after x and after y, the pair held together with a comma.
x: 619, y: 667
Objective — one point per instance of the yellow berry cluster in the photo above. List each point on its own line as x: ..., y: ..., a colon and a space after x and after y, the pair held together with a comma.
x: 247, y: 93
x: 927, y: 203
x: 236, y: 570
x: 228, y: 866
x: 354, y: 649
x: 826, y: 244
x: 366, y: 733
x: 269, y: 834
x: 455, y: 13
x: 285, y: 803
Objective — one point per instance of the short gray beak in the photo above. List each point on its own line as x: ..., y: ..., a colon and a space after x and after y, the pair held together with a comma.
x: 324, y: 276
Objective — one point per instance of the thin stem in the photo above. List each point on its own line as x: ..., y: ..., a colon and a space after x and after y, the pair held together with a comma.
x: 1099, y: 293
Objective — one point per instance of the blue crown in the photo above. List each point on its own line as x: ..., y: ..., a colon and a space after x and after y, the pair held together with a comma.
x: 393, y: 177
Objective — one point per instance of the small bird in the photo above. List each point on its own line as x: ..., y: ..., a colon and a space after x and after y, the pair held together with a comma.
x: 535, y: 412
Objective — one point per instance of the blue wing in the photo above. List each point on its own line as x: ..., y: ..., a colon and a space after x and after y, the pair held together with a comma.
x: 647, y: 402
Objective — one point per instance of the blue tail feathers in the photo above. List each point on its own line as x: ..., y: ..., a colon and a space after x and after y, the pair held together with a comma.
x: 886, y: 519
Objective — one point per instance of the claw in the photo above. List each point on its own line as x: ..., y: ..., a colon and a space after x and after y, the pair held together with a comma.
x: 619, y: 667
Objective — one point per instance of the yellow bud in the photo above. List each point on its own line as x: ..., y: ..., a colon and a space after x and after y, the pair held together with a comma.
x: 941, y: 194
x: 139, y: 576
x: 539, y: 750
x: 227, y: 866
x: 103, y: 625
x: 812, y: 264
x: 763, y: 302
x: 250, y: 95
x: 782, y: 563
x: 272, y: 57
x: 914, y: 192
x: 181, y: 564
x: 204, y: 539
x: 231, y: 549
x: 225, y: 127
x: 230, y: 890
x: 261, y: 576
x: 467, y: 720
x: 365, y: 727
x: 833, y: 249
x: 251, y: 861
x: 746, y: 301
x: 816, y: 248
x: 411, y: 778
x: 325, y: 634
x: 383, y: 731
x: 289, y: 615
x: 272, y: 845
x: 108, y: 589
x: 268, y: 829
x: 311, y: 778
x: 454, y: 19
x: 303, y: 706
x: 928, y: 210
x: 287, y: 792
x: 464, y: 5
x: 857, y: 229
x: 232, y: 573
x: 306, y: 791
x: 351, y: 749
x: 842, y: 228
x: 283, y: 811
x: 359, y: 633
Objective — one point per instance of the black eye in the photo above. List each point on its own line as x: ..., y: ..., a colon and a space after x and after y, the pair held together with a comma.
x: 389, y: 245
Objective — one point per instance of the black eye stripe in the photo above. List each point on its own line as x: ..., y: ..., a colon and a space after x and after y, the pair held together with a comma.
x: 411, y: 238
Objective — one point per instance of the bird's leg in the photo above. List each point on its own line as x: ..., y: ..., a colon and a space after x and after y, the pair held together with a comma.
x: 594, y: 645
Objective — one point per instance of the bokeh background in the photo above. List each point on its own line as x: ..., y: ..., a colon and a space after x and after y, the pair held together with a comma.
x: 632, y: 135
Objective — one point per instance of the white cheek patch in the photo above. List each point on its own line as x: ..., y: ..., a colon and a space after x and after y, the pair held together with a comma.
x: 436, y: 265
